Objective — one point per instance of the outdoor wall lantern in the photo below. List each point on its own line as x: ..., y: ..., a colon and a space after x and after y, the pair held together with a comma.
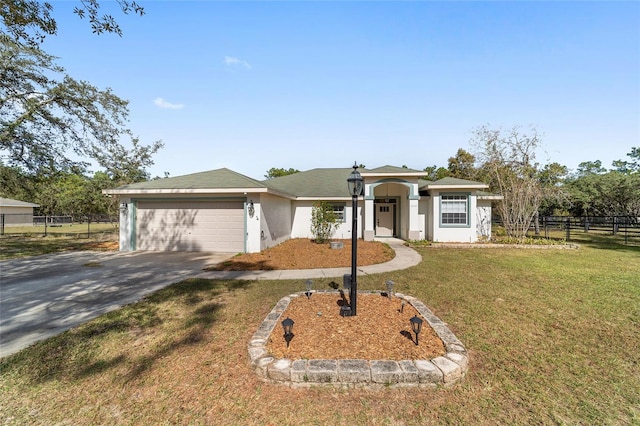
x: 416, y: 326
x: 354, y: 183
x: 251, y: 209
x: 287, y: 325
x: 389, y: 284
x: 124, y: 207
x: 308, y: 284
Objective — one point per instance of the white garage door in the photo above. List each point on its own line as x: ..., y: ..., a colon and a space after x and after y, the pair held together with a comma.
x: 190, y: 226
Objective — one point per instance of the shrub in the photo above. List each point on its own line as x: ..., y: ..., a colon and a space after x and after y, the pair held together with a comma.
x: 323, y: 221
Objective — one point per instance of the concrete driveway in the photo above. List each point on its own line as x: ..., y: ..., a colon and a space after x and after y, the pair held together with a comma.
x: 44, y: 295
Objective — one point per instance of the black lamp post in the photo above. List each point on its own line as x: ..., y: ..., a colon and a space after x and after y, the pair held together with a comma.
x: 416, y: 326
x: 355, y: 189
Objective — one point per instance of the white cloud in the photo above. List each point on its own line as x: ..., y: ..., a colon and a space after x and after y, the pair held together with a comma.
x: 164, y: 104
x: 232, y: 61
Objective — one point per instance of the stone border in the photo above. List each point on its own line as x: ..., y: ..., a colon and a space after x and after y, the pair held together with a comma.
x: 301, y: 373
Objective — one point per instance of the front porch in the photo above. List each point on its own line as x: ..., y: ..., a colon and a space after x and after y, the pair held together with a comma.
x: 391, y: 209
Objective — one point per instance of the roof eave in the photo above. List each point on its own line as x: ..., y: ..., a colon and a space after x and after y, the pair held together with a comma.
x: 407, y: 174
x: 474, y: 186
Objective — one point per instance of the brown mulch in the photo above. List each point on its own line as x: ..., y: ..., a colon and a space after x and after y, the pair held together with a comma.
x: 302, y: 253
x: 379, y: 331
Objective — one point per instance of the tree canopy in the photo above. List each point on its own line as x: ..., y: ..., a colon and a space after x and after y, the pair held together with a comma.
x: 30, y: 21
x: 275, y: 172
x: 46, y: 115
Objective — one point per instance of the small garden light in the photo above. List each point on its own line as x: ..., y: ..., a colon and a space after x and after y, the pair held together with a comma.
x: 416, y: 326
x: 308, y: 284
x: 287, y: 325
x: 389, y: 288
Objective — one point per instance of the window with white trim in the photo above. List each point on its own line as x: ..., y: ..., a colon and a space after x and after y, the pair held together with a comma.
x: 338, y: 210
x: 454, y: 210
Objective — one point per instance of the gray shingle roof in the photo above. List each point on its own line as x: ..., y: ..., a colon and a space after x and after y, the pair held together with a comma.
x: 220, y: 178
x: 391, y: 170
x: 456, y: 181
x: 313, y: 183
x: 8, y: 202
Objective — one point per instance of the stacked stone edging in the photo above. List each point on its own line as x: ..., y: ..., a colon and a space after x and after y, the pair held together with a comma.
x: 441, y: 371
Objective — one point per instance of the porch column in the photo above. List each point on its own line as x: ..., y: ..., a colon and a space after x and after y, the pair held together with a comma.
x: 369, y: 231
x: 414, y: 223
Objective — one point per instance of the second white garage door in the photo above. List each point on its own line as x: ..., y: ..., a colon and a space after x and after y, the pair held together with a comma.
x: 190, y: 226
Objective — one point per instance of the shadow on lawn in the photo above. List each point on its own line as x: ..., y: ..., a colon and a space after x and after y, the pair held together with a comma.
x: 608, y: 243
x: 78, y: 353
x: 233, y: 265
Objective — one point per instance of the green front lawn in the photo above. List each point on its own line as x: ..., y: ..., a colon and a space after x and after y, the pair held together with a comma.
x: 553, y: 337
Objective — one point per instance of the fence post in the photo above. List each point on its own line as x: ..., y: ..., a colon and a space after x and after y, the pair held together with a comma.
x: 568, y: 227
x: 2, y: 224
x: 45, y: 225
x: 615, y: 225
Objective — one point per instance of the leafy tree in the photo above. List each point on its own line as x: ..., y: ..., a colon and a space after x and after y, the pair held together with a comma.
x: 30, y: 21
x: 628, y: 167
x: 590, y: 168
x: 127, y: 165
x: 45, y: 113
x: 436, y: 173
x: 555, y: 198
x: 323, y: 221
x: 462, y: 165
x: 608, y: 194
x: 16, y: 184
x: 508, y: 158
x: 278, y: 172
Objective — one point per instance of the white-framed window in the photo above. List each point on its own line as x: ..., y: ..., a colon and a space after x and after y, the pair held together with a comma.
x: 454, y: 210
x: 338, y: 210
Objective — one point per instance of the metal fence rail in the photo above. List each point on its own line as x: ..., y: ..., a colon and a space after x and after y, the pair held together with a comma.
x: 27, y: 224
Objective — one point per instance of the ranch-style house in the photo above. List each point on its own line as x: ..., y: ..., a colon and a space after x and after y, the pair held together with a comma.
x: 225, y: 211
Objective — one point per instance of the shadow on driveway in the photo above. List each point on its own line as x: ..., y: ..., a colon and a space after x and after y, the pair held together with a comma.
x: 45, y: 295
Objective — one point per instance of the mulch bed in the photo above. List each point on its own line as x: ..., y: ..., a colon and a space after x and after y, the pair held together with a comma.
x: 302, y: 253
x: 379, y: 331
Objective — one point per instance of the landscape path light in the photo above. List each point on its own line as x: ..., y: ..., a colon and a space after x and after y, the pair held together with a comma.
x: 308, y: 285
x: 389, y: 284
x: 354, y: 183
x: 287, y: 325
x: 416, y: 326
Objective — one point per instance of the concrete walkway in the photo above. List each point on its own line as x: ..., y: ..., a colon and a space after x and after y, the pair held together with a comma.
x: 405, y: 257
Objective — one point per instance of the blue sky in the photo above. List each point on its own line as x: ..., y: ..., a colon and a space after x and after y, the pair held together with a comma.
x: 255, y: 85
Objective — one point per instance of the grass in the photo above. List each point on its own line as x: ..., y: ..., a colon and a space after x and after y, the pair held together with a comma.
x: 31, y: 241
x: 553, y: 336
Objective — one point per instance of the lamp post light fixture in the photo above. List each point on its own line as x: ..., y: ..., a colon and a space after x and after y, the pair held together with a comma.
x: 416, y: 326
x: 287, y: 325
x: 354, y: 182
x: 308, y: 284
x: 389, y: 284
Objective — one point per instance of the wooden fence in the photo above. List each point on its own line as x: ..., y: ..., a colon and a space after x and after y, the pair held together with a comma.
x: 615, y: 229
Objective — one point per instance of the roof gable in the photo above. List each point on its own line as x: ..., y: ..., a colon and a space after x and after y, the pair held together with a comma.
x: 213, y: 179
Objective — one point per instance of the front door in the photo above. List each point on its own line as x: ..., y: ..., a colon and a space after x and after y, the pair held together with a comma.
x: 384, y: 219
